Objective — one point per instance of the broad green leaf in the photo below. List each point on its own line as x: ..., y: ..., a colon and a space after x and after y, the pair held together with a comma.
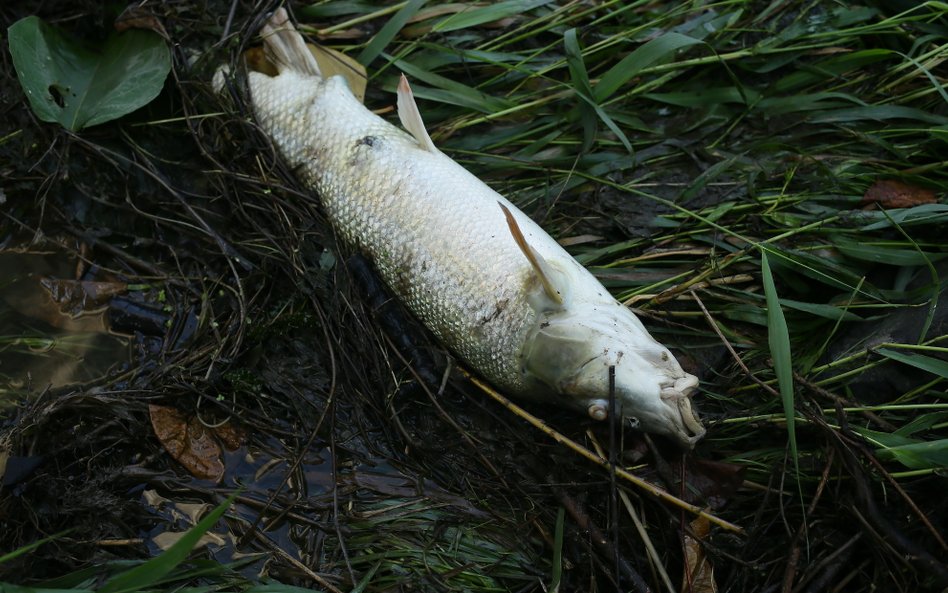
x: 635, y: 62
x: 150, y: 572
x: 936, y: 366
x: 778, y: 337
x: 77, y: 87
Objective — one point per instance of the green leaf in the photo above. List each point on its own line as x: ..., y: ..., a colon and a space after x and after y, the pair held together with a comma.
x: 588, y: 106
x: 11, y: 588
x: 76, y: 87
x: 30, y: 547
x: 821, y: 310
x: 494, y: 11
x: 641, y: 58
x: 885, y: 253
x: 923, y: 455
x: 933, y: 214
x: 912, y: 453
x: 150, y: 572
x: 388, y: 32
x: 558, y: 550
x: 877, y: 113
x: 936, y: 366
x: 450, y: 91
x: 778, y: 336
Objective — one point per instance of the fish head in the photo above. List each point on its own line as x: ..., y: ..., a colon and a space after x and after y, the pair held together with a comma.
x: 571, y: 351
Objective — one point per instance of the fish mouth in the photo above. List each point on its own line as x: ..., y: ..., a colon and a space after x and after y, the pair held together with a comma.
x: 688, y: 428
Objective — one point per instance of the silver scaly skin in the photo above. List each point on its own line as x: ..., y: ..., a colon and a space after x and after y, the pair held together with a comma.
x: 441, y: 241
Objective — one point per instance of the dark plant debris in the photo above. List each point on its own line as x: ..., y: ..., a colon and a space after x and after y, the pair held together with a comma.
x: 707, y: 133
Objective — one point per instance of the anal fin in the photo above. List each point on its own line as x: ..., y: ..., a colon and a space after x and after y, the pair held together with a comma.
x: 410, y: 116
x: 540, y: 265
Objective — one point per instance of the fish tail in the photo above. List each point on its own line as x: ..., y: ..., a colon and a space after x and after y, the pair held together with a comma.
x: 285, y: 47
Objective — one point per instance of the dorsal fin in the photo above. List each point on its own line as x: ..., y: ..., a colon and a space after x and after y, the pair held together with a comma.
x: 543, y: 270
x: 410, y: 116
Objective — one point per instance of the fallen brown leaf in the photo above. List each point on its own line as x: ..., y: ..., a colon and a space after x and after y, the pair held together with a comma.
x: 192, y: 444
x: 78, y: 296
x: 892, y: 193
x: 699, y: 572
x: 230, y: 435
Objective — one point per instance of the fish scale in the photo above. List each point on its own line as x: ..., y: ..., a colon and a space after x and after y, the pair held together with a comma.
x: 433, y: 229
x: 442, y: 242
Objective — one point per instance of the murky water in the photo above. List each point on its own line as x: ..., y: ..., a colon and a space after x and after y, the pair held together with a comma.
x: 53, y: 330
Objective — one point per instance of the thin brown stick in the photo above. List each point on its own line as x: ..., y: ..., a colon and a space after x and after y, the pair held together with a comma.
x: 321, y: 581
x: 794, y: 557
x: 599, y: 460
x: 730, y: 348
x: 838, y: 398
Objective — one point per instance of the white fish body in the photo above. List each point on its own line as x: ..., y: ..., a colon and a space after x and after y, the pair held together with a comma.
x: 440, y: 240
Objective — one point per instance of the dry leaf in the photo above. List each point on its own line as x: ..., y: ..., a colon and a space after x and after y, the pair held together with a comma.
x: 230, y: 435
x: 167, y: 539
x: 187, y: 440
x: 892, y: 193
x: 330, y: 61
x: 138, y: 17
x: 699, y: 573
x: 78, y: 296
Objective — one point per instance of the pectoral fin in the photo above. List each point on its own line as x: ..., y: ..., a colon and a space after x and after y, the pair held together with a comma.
x: 540, y: 265
x: 410, y: 117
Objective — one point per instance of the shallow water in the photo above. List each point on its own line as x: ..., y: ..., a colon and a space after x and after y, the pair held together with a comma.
x: 53, y: 328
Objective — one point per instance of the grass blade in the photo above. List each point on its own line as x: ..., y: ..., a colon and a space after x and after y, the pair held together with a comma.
x: 558, y: 551
x: 936, y: 366
x: 635, y: 62
x: 150, y: 572
x: 487, y: 14
x: 779, y: 340
x: 388, y: 32
x: 588, y: 108
x: 30, y: 547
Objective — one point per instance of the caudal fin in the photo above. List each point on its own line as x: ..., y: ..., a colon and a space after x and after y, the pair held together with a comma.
x: 284, y: 46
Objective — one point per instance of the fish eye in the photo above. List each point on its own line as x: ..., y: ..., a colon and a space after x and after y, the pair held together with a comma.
x: 597, y: 411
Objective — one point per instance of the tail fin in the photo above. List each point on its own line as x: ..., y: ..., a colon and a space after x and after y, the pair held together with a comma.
x: 284, y: 46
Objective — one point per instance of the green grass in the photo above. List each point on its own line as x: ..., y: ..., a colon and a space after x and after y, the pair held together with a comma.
x: 671, y: 145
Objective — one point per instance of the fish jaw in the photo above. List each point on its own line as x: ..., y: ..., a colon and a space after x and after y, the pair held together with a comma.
x: 570, y: 352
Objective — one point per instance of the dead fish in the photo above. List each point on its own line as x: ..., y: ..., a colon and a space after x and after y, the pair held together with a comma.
x: 487, y: 281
